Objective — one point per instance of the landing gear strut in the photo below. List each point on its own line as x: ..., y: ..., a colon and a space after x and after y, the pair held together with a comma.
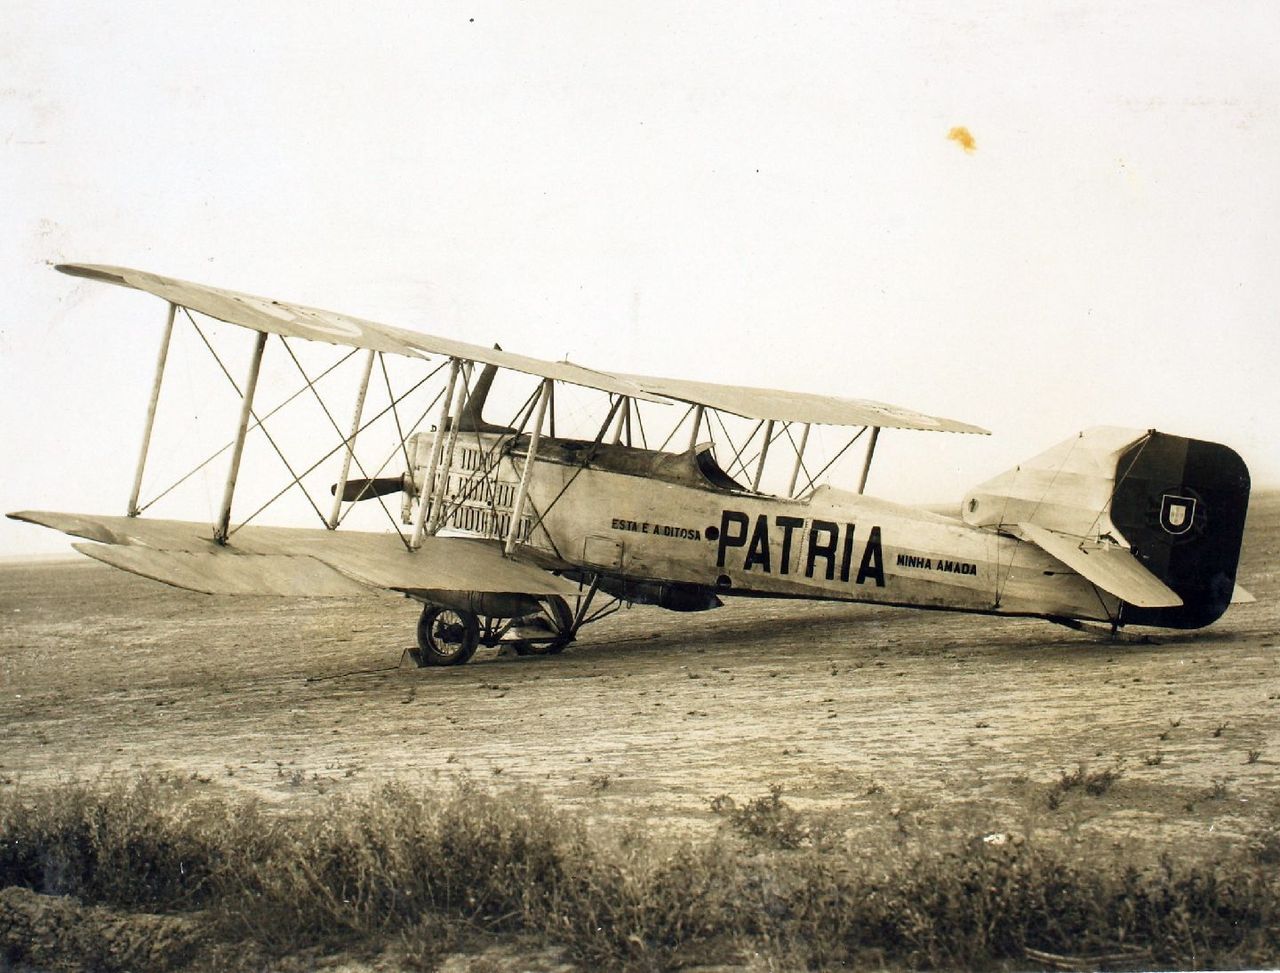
x: 556, y: 620
x: 449, y: 636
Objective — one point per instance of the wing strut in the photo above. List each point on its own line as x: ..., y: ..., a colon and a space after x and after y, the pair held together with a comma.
x: 246, y: 409
x: 439, y: 492
x: 350, y: 451
x: 522, y: 492
x: 866, y: 463
x: 698, y: 412
x: 624, y: 422
x: 795, y: 470
x: 437, y: 443
x: 764, y: 454
x: 151, y: 410
x: 615, y: 403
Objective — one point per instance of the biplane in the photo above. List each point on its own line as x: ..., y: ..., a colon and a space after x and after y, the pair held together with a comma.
x: 508, y: 533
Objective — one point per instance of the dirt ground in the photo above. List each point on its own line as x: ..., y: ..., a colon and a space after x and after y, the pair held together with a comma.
x: 935, y: 720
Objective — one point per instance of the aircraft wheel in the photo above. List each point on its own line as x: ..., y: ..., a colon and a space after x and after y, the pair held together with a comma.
x: 446, y: 637
x: 557, y: 618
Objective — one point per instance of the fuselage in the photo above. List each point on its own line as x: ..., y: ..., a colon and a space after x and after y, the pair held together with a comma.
x: 677, y: 518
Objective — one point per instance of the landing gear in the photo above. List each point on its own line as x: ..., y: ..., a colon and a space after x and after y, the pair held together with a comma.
x: 446, y: 637
x: 555, y: 620
x: 449, y: 636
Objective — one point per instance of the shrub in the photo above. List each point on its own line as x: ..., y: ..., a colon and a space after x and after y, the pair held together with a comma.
x: 146, y: 843
x: 768, y: 819
x: 1094, y: 782
x: 428, y: 870
x: 380, y: 862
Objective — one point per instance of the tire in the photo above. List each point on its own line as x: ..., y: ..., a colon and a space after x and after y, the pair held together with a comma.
x: 446, y: 637
x: 558, y: 616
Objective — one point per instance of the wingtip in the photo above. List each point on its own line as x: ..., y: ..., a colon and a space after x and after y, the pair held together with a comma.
x: 109, y: 275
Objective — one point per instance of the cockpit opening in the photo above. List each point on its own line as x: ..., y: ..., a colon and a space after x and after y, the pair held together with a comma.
x: 705, y: 456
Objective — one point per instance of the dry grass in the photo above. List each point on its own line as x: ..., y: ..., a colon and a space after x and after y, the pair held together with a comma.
x: 429, y: 871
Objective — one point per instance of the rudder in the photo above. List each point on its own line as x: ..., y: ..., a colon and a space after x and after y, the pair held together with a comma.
x: 1181, y: 505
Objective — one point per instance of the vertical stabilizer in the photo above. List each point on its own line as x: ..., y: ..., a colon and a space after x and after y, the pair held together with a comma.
x: 1181, y: 505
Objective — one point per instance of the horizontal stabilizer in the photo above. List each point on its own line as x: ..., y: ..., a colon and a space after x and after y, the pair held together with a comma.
x: 1111, y: 567
x: 298, y: 560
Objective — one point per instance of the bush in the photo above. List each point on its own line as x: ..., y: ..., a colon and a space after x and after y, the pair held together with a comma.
x: 769, y: 819
x: 147, y: 843
x: 1094, y: 782
x: 403, y: 865
x: 381, y: 862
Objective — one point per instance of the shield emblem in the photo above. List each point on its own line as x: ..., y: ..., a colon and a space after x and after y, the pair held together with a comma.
x: 1177, y: 514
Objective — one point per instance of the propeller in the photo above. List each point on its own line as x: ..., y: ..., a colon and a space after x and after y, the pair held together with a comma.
x: 368, y: 489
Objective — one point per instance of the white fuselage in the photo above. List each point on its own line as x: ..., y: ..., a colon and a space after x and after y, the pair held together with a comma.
x: 650, y: 516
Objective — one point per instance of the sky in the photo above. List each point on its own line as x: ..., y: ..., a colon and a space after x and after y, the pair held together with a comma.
x: 752, y: 193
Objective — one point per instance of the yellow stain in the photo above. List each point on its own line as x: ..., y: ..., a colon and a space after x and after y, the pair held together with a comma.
x: 964, y: 137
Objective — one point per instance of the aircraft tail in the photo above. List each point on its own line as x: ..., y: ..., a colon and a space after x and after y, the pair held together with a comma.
x: 1181, y: 504
x: 1177, y: 504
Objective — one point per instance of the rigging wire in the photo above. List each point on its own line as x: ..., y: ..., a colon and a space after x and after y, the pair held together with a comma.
x: 190, y: 473
x: 676, y: 428
x: 314, y: 466
x: 831, y: 462
x: 271, y: 439
x: 394, y: 449
x: 1120, y: 479
x: 382, y: 362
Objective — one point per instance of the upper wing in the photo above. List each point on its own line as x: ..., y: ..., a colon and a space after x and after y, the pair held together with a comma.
x: 1112, y: 568
x: 298, y: 321
x: 830, y: 410
x: 297, y: 561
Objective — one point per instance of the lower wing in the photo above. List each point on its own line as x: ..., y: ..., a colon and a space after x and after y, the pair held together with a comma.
x: 297, y: 561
